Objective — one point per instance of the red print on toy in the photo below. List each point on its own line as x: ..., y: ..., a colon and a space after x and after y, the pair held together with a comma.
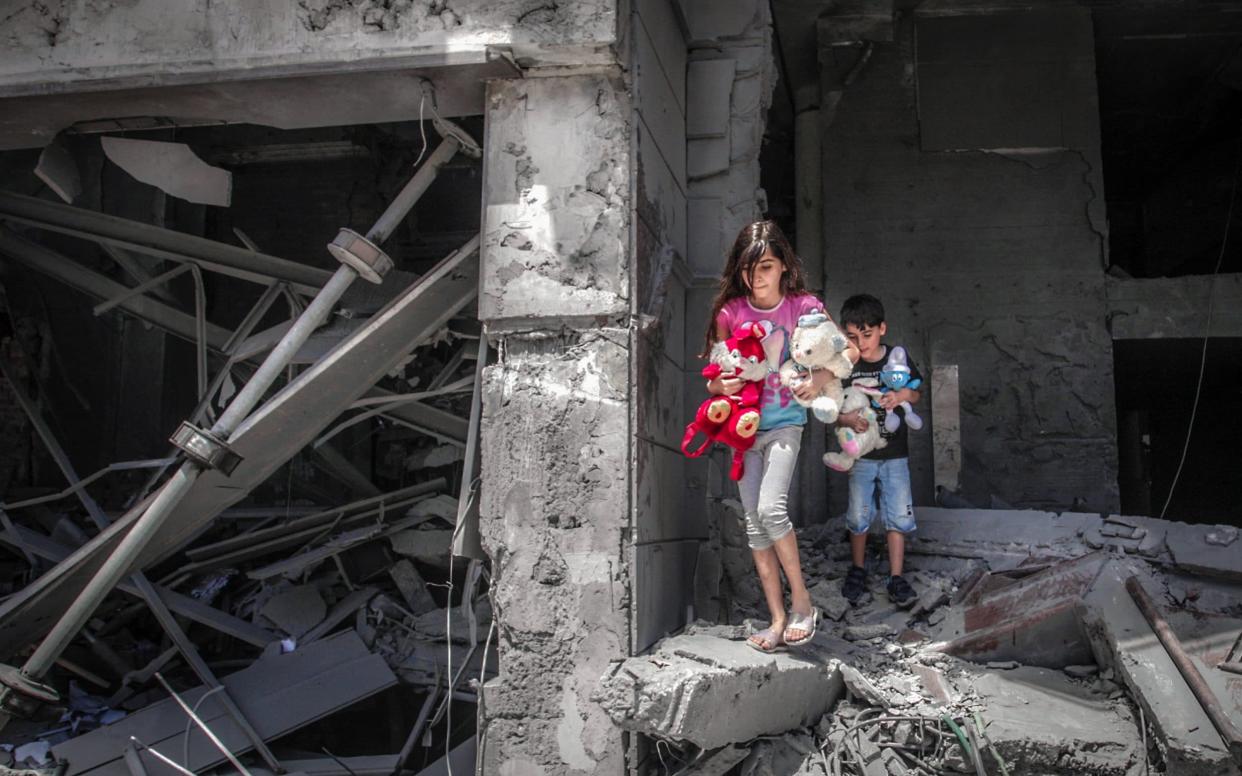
x: 732, y: 420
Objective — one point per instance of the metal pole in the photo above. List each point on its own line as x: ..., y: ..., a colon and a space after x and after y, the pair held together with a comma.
x: 118, y: 563
x: 1203, y: 693
x: 212, y: 737
x: 414, y: 189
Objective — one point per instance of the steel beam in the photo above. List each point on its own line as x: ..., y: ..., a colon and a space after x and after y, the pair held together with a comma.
x: 48, y: 262
x: 157, y: 241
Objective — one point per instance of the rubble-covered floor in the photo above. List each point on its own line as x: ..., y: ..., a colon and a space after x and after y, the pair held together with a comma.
x: 1025, y: 648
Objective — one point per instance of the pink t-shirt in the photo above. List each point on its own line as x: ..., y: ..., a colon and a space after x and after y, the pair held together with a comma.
x: 778, y: 407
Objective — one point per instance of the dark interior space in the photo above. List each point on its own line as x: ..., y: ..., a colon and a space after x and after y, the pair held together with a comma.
x: 1156, y: 382
x: 1170, y: 122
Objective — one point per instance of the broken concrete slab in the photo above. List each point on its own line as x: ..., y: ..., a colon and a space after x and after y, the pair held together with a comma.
x: 678, y: 690
x: 1205, y: 549
x: 296, y: 610
x: 1034, y: 620
x: 1040, y: 722
x: 1122, y: 640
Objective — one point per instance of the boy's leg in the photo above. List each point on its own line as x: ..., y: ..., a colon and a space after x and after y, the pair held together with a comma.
x: 858, y: 519
x: 897, y: 510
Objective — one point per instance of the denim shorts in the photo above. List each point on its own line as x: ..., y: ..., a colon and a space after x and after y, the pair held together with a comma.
x: 896, y: 502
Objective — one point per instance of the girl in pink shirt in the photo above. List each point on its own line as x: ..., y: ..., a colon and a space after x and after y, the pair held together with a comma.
x: 763, y: 282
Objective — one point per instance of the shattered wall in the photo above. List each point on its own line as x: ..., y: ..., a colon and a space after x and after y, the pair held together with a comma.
x: 987, y: 260
x: 555, y: 515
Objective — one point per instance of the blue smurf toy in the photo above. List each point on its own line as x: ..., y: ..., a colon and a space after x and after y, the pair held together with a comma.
x: 896, y: 375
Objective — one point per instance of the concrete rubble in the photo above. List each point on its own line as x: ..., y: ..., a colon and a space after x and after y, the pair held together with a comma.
x: 1027, y: 650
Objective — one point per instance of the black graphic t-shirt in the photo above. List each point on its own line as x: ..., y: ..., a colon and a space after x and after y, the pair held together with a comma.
x: 898, y: 446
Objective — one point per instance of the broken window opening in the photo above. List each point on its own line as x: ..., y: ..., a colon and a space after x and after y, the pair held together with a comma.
x: 1155, y: 383
x: 1171, y: 135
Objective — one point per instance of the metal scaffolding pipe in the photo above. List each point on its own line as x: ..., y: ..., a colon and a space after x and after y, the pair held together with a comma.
x: 1202, y: 691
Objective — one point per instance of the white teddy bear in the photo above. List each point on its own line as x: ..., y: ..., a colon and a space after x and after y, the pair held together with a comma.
x: 854, y: 445
x: 817, y: 343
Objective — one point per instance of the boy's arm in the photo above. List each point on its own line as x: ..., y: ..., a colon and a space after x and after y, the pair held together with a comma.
x: 853, y: 420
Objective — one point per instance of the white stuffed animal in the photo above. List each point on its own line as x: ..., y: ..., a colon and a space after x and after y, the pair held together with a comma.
x: 854, y: 445
x: 817, y: 343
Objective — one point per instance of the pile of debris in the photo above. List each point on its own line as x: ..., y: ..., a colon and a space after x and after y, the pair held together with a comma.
x: 1041, y: 644
x: 356, y: 608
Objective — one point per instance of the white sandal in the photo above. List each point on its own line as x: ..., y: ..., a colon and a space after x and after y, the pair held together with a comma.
x: 802, y: 622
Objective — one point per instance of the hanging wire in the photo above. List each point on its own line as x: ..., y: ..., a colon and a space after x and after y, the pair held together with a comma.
x: 1207, y: 333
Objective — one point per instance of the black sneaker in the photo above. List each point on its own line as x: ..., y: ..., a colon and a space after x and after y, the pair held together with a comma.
x: 855, y: 586
x: 900, y: 592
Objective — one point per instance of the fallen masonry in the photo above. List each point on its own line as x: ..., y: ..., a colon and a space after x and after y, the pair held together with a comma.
x: 1027, y: 655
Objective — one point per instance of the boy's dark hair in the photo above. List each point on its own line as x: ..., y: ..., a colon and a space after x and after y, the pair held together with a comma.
x: 863, y: 311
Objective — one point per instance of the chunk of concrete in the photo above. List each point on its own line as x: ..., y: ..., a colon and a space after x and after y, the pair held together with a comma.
x: 827, y: 596
x: 412, y: 587
x: 426, y: 546
x: 1041, y: 722
x: 680, y: 690
x: 296, y: 610
x: 1204, y: 549
x: 1122, y: 639
x: 173, y: 168
x: 709, y: 83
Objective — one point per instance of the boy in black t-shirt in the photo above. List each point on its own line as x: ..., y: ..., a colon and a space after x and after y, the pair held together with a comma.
x: 862, y: 317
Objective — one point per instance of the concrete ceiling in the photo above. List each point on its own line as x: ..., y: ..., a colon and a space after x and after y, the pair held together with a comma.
x: 284, y: 103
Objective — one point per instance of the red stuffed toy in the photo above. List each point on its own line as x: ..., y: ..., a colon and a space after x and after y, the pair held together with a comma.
x: 732, y: 420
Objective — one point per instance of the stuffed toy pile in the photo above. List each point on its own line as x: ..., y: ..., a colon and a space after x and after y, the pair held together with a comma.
x: 817, y: 343
x: 732, y: 420
x: 854, y: 445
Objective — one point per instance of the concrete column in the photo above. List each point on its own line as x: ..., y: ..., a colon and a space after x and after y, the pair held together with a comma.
x: 556, y: 434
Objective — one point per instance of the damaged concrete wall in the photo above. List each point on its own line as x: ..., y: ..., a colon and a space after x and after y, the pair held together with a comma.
x: 990, y: 260
x: 556, y: 428
x: 71, y: 44
x: 666, y: 532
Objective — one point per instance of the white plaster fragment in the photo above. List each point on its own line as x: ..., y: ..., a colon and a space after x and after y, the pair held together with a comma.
x: 173, y: 168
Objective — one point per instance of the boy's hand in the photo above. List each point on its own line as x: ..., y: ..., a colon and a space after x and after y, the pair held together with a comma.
x: 853, y: 421
x: 725, y: 386
x: 893, y: 398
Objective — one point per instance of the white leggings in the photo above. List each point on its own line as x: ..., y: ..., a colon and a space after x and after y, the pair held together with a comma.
x: 764, y: 486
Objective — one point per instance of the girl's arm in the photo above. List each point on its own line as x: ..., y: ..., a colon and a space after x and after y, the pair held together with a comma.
x: 724, y: 386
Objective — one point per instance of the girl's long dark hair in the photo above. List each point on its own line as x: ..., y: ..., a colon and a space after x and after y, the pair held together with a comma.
x: 751, y: 243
